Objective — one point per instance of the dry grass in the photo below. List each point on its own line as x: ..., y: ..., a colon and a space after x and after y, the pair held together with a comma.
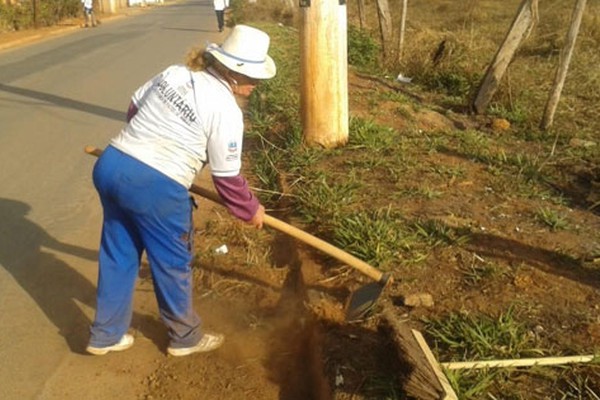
x: 473, y: 30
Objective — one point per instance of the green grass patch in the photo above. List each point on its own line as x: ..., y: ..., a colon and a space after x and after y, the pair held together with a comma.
x: 474, y: 337
x: 363, y: 51
x: 551, y: 218
x: 468, y: 336
x: 373, y: 236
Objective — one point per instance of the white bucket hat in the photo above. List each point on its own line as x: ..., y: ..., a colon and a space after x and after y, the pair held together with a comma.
x: 245, y: 51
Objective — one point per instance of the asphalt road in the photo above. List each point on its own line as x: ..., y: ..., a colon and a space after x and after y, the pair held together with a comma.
x: 56, y: 97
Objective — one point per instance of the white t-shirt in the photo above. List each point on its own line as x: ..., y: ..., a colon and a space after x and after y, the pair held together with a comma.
x: 220, y: 5
x: 185, y: 119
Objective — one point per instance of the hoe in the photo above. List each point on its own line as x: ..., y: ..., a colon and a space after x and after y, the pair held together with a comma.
x: 361, y: 301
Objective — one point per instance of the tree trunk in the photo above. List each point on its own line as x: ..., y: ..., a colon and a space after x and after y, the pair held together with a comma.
x: 520, y: 29
x: 385, y: 27
x: 563, y: 67
x: 35, y: 14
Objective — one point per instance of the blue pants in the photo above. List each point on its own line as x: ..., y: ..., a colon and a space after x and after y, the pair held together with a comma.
x: 143, y: 210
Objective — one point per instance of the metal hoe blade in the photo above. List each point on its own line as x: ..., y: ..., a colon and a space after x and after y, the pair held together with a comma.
x: 364, y: 298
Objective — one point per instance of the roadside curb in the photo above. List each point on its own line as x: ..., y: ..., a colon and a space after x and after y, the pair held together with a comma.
x: 36, y: 38
x: 58, y: 30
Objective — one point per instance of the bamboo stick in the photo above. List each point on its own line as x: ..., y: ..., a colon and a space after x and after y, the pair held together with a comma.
x: 521, y: 362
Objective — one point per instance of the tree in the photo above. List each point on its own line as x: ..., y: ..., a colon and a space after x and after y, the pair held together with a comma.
x: 35, y: 13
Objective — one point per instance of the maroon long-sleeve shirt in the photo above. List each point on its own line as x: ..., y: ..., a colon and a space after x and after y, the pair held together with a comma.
x: 237, y: 196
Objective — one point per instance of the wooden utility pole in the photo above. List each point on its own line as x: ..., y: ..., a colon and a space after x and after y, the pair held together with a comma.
x: 563, y: 66
x: 324, y: 73
x: 402, y: 29
x: 520, y: 29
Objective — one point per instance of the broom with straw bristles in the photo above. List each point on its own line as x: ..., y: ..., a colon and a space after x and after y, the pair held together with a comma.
x: 424, y: 379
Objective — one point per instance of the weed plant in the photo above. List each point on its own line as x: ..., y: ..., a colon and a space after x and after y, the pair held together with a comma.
x: 335, y: 192
x: 551, y: 218
x: 475, y: 337
x: 364, y: 52
x: 480, y: 337
x: 471, y: 337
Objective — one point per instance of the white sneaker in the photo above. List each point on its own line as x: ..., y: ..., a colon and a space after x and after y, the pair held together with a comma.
x: 123, y: 344
x: 209, y: 342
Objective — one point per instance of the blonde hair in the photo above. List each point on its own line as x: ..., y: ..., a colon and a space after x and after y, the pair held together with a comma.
x: 198, y: 59
x: 195, y: 59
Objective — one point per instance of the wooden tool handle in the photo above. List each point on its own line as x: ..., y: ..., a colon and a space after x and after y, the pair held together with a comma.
x: 290, y: 230
x: 303, y: 237
x: 449, y: 394
x: 94, y: 151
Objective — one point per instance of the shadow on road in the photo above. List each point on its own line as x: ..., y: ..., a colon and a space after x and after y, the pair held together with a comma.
x: 51, y: 283
x: 66, y: 103
x: 190, y: 30
x: 57, y: 288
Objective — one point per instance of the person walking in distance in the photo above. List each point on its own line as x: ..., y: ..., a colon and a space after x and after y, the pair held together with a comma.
x: 88, y: 12
x: 179, y: 121
x: 220, y: 7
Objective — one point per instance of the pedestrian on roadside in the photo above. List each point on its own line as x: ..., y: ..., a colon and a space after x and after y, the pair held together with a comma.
x: 179, y: 121
x: 88, y: 12
x: 220, y: 7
